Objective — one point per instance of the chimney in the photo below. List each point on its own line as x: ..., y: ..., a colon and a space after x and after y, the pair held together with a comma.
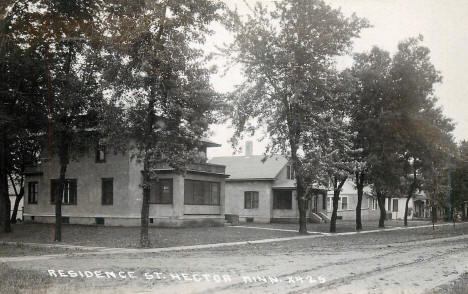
x: 248, y: 148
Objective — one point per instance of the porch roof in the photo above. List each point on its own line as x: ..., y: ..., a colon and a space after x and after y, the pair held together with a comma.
x: 284, y: 184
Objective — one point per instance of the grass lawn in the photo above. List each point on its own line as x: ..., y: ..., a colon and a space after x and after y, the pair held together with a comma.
x: 23, y: 281
x: 128, y: 237
x: 341, y: 226
x: 7, y: 250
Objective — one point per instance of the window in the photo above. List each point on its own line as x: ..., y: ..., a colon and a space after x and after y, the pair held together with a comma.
x: 373, y: 203
x: 329, y: 203
x: 101, y: 152
x: 344, y: 203
x: 161, y: 192
x: 395, y: 205
x: 32, y: 192
x: 389, y: 204
x: 250, y: 199
x: 282, y: 199
x: 107, y: 191
x: 290, y: 175
x: 68, y: 193
x: 201, y: 193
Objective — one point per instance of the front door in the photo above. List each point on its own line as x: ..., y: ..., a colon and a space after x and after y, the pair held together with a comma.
x: 314, y: 204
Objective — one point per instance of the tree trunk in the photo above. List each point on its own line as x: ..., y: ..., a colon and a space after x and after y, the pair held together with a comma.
x: 406, y: 209
x: 381, y: 202
x: 144, y: 238
x: 302, y: 205
x: 58, y: 202
x: 6, y: 205
x: 19, y: 196
x: 337, y: 185
x: 464, y: 210
x: 300, y: 191
x: 434, y: 214
x: 4, y: 197
x: 150, y: 120
x: 411, y: 190
x: 64, y: 160
x: 16, y: 206
x: 360, y: 192
x: 336, y: 197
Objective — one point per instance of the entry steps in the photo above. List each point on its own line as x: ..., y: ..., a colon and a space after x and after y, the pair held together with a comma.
x: 318, y: 217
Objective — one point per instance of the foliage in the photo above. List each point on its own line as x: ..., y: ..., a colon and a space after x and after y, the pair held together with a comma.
x: 161, y: 98
x: 287, y: 53
x: 402, y: 133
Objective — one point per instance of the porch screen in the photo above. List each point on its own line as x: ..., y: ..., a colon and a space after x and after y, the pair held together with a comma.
x: 282, y: 199
x: 201, y: 192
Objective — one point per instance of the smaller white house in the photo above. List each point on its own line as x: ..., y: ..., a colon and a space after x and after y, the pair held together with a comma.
x: 417, y: 207
x: 263, y: 190
x: 348, y: 203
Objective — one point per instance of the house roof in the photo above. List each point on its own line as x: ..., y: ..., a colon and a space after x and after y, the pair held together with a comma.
x: 251, y: 167
x: 208, y: 143
x: 420, y: 196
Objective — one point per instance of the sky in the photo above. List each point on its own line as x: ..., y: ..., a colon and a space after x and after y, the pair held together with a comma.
x: 443, y: 24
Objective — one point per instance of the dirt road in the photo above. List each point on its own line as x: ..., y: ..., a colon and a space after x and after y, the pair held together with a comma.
x: 407, y: 261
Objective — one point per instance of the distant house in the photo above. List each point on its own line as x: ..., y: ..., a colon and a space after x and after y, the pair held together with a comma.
x: 104, y: 187
x: 348, y: 202
x: 418, y: 207
x: 259, y: 191
x: 264, y: 191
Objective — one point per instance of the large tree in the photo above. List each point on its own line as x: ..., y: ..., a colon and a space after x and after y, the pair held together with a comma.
x: 419, y: 126
x: 162, y: 99
x: 287, y: 52
x: 23, y: 95
x: 65, y: 36
x: 398, y: 125
x: 328, y: 147
x: 373, y: 116
x: 459, y: 178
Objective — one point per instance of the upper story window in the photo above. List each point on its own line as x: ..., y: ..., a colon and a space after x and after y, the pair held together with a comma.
x: 101, y: 151
x: 32, y: 192
x: 250, y: 199
x: 290, y: 174
x: 68, y: 194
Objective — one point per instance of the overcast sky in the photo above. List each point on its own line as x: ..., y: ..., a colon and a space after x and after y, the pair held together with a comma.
x: 444, y: 25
